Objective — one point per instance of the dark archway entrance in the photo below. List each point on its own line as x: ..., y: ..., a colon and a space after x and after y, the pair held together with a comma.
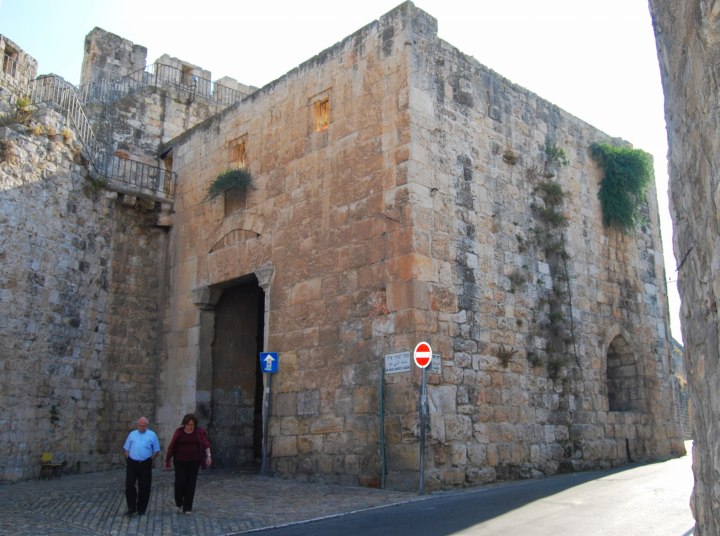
x: 236, y: 399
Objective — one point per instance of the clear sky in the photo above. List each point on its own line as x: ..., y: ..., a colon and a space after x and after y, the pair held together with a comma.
x: 596, y: 60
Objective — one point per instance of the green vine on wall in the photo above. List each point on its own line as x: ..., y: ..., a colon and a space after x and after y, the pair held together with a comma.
x: 627, y: 174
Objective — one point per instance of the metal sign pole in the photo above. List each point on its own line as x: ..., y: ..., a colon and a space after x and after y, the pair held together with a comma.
x: 266, y: 417
x: 423, y: 416
x: 383, y: 464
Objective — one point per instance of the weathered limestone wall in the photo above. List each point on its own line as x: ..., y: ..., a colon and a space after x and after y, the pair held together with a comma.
x: 478, y: 164
x: 413, y: 210
x: 81, y: 274
x: 329, y: 213
x: 108, y: 56
x: 17, y: 67
x: 136, y: 125
x: 134, y: 116
x: 688, y: 35
x: 414, y: 215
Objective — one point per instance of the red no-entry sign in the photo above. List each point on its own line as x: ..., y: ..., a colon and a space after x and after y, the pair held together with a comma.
x: 422, y: 354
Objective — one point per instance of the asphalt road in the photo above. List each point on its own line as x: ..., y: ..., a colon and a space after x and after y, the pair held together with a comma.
x: 636, y: 500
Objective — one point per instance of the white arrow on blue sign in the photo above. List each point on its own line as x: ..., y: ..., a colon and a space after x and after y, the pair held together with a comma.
x: 269, y: 362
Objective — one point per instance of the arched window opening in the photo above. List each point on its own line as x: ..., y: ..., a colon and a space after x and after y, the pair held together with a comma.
x: 623, y: 379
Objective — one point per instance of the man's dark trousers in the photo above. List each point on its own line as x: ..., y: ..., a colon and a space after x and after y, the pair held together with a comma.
x: 140, y: 472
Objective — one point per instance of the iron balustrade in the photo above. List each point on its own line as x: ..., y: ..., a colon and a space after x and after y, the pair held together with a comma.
x: 108, y: 91
x: 145, y: 179
x: 160, y: 75
x: 141, y: 178
x: 55, y: 90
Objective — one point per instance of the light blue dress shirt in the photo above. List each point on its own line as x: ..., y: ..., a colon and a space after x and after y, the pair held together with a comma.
x: 141, y: 446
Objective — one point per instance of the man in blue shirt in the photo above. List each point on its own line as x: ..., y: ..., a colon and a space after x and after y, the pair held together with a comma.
x: 141, y: 448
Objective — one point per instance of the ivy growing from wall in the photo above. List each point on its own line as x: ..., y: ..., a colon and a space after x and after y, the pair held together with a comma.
x: 627, y: 173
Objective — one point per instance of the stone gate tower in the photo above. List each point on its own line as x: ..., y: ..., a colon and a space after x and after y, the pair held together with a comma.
x: 400, y: 191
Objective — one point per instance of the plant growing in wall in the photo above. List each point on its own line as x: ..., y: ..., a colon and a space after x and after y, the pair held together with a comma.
x: 231, y: 179
x: 555, y: 158
x: 23, y: 111
x: 555, y: 155
x: 94, y: 183
x: 627, y: 172
x: 504, y: 355
x: 556, y: 302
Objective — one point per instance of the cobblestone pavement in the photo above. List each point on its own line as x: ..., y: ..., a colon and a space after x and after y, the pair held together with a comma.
x: 226, y: 502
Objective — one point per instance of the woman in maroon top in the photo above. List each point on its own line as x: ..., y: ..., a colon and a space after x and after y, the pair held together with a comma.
x: 189, y: 449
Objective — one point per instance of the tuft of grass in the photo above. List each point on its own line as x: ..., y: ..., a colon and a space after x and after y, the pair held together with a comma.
x: 504, y: 355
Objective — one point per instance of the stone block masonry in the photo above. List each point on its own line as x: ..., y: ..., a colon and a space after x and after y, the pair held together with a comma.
x: 687, y: 36
x: 417, y: 209
x: 81, y: 278
x: 400, y: 192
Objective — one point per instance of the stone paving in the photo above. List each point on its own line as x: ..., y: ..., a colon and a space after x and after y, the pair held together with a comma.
x: 226, y: 502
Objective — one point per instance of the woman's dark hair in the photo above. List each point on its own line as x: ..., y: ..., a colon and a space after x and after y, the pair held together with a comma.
x: 189, y: 417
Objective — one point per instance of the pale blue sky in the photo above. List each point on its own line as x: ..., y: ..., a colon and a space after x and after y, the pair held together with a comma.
x: 597, y: 60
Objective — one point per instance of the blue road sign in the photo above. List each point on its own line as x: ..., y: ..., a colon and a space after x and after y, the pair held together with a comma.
x: 269, y: 362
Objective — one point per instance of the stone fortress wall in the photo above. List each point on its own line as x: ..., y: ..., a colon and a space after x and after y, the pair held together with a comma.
x: 414, y: 211
x: 81, y: 278
x: 83, y: 272
x: 409, y: 212
x: 687, y: 35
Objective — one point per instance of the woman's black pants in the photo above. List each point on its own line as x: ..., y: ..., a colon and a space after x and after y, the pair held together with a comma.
x: 185, y: 479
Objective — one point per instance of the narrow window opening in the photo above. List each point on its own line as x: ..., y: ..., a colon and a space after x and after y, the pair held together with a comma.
x: 186, y: 76
x: 238, y: 154
x: 10, y: 60
x: 237, y: 159
x: 321, y: 114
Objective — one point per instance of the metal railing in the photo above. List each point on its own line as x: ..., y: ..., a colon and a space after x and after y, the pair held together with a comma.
x: 145, y: 179
x: 160, y: 75
x: 137, y: 177
x: 108, y: 91
x: 63, y: 94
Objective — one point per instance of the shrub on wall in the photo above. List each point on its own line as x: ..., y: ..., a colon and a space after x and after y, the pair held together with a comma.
x: 627, y: 174
x: 232, y: 179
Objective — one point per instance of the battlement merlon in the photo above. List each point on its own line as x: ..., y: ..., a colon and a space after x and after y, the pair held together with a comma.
x: 109, y: 56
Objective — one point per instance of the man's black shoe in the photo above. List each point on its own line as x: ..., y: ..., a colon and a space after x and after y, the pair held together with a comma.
x: 129, y: 512
x: 141, y: 513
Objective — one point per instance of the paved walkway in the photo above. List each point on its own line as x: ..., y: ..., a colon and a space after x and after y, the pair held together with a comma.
x: 226, y: 502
